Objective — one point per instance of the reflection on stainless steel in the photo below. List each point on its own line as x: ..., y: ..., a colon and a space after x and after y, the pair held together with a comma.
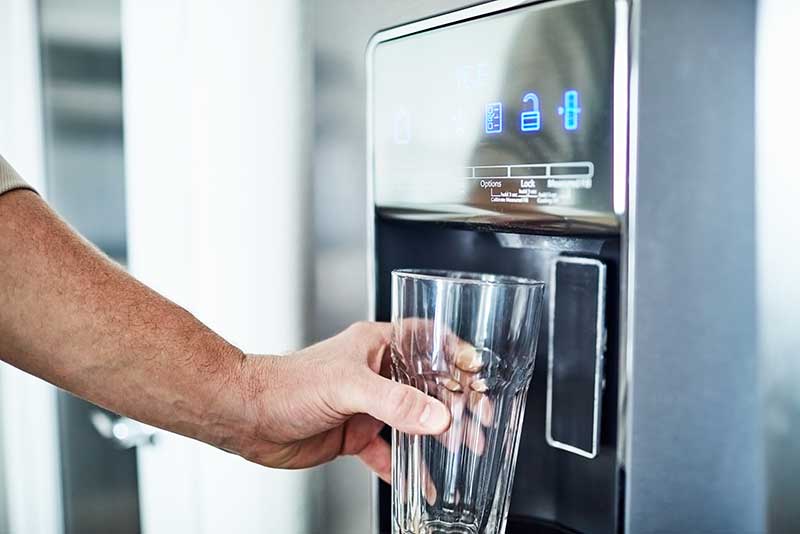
x: 694, y: 451
x: 579, y: 39
x: 547, y: 172
x: 552, y: 243
x: 628, y: 229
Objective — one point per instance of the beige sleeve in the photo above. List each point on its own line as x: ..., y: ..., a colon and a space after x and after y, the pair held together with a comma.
x: 9, y: 179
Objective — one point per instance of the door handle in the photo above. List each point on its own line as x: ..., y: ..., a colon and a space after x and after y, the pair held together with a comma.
x: 123, y: 432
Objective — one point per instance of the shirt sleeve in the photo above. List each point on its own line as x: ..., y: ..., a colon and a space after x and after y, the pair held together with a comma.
x: 9, y: 179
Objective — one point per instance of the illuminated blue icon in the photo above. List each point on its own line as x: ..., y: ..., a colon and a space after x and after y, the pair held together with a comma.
x: 531, y: 120
x: 571, y: 110
x: 402, y: 127
x: 494, y: 118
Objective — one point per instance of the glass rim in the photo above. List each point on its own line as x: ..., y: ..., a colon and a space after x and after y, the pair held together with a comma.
x: 467, y: 277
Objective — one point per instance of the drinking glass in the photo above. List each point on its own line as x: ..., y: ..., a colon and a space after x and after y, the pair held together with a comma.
x: 468, y: 339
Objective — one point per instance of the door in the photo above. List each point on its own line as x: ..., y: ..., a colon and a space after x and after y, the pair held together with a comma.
x: 216, y: 172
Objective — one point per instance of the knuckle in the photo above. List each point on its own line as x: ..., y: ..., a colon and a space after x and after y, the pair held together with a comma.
x: 370, y: 331
x: 349, y: 393
x: 338, y: 379
x: 358, y: 330
x: 376, y: 357
x: 360, y: 326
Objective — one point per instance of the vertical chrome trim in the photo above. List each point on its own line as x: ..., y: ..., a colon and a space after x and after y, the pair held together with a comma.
x: 620, y: 111
x: 620, y: 197
x: 370, y: 212
x: 371, y: 273
x: 599, y: 356
x: 452, y: 17
x: 628, y: 283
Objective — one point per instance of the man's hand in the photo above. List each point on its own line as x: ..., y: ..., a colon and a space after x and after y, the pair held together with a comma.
x: 330, y: 400
x: 72, y: 317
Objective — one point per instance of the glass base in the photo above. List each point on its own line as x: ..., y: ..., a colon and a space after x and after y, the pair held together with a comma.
x: 439, y: 527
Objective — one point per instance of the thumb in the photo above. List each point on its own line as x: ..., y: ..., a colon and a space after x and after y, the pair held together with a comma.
x: 403, y: 407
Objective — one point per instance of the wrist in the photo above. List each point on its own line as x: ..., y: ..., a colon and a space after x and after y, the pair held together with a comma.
x: 241, y: 396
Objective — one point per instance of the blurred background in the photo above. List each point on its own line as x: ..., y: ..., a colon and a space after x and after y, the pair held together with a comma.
x: 217, y: 151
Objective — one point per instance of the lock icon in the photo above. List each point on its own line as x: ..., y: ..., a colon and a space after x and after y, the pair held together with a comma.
x: 531, y: 120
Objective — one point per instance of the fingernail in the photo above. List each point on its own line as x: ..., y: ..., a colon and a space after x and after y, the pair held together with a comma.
x: 434, y: 417
x: 468, y: 359
x: 453, y: 385
x: 479, y: 385
x: 430, y: 492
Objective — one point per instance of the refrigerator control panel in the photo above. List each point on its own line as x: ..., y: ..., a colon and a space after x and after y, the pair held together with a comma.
x: 506, y: 117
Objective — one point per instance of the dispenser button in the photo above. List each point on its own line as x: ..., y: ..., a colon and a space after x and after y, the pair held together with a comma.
x: 575, y: 354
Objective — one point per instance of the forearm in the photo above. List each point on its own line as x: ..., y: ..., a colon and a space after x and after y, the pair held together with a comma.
x: 71, y: 316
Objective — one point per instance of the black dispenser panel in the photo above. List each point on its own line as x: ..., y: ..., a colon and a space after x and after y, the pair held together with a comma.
x: 554, y: 490
x: 576, y: 346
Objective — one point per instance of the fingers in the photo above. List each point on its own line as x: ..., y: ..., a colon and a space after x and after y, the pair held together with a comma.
x: 465, y: 356
x: 414, y: 334
x: 400, y: 406
x: 377, y: 455
x: 482, y: 406
x: 430, y: 488
x: 466, y: 428
x: 474, y: 438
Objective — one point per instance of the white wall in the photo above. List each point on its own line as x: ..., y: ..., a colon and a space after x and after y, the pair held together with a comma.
x: 216, y: 133
x: 28, y: 418
x: 778, y: 221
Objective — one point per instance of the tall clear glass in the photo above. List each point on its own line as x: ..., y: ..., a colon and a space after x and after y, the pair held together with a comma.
x: 468, y: 339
